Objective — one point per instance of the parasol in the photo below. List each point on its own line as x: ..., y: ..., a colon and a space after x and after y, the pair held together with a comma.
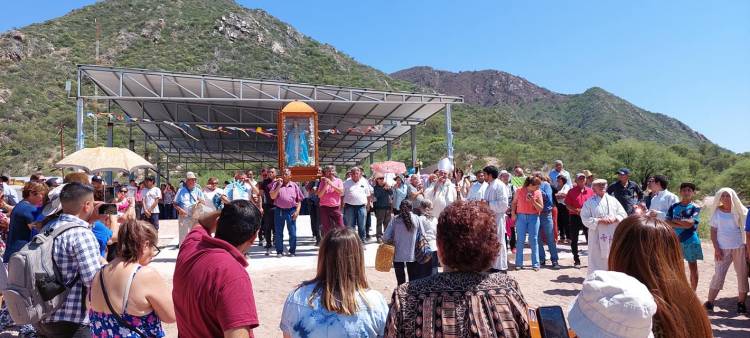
x: 104, y: 159
x: 388, y: 167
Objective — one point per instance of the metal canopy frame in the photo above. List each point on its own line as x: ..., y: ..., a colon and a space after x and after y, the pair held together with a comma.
x: 189, y: 99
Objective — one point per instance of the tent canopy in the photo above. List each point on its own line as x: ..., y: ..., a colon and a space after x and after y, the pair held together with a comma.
x: 173, y: 110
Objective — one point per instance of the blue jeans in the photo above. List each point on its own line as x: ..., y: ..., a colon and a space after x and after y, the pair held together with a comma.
x: 354, y: 217
x: 527, y: 224
x: 547, y: 228
x: 280, y: 217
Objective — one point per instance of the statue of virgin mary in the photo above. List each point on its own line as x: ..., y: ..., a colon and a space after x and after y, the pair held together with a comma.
x: 295, y: 146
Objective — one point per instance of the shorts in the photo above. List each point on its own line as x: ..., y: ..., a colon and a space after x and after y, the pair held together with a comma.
x: 692, y: 252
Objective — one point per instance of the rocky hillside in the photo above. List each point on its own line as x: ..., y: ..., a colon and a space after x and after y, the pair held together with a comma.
x: 213, y: 37
x: 485, y: 87
x: 595, y: 111
x: 507, y: 119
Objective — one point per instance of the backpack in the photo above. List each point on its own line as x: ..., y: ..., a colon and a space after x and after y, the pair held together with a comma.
x: 34, y: 287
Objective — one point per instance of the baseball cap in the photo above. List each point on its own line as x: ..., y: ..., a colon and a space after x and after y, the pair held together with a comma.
x: 623, y: 171
x: 611, y: 305
x: 587, y: 173
x: 190, y: 175
x: 504, y: 172
x: 96, y: 178
x: 52, y: 182
x: 580, y: 175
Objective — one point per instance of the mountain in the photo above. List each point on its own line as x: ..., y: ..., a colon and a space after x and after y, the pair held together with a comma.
x: 594, y: 111
x: 211, y: 37
x: 485, y: 87
x: 507, y: 119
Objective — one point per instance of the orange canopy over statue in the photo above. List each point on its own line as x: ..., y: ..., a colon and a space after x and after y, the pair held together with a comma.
x: 298, y: 140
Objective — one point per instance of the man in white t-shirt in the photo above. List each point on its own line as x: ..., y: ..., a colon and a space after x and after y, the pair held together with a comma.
x: 213, y: 194
x: 476, y: 192
x: 357, y: 194
x: 151, y: 198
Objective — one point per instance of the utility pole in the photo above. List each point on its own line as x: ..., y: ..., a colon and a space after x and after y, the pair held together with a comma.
x: 62, y: 140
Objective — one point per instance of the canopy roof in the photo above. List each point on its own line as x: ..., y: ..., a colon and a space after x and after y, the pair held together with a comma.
x: 354, y: 122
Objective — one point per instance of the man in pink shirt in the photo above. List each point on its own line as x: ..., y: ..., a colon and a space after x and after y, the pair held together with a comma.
x: 287, y: 200
x: 574, y: 201
x: 213, y: 294
x: 330, y: 190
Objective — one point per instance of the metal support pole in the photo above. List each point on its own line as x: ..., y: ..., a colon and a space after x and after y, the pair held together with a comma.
x: 158, y: 167
x: 131, y: 144
x: 80, y: 143
x: 389, y: 150
x: 413, y: 146
x: 370, y: 158
x: 79, y: 113
x: 166, y: 163
x: 449, y: 132
x: 110, y: 143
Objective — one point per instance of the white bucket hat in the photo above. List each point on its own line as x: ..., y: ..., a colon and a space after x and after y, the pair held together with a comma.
x: 612, y: 305
x: 53, y: 206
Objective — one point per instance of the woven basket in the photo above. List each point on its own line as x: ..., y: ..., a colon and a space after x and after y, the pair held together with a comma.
x: 384, y: 257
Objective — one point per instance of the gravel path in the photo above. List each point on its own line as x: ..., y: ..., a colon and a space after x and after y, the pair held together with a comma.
x: 274, y: 277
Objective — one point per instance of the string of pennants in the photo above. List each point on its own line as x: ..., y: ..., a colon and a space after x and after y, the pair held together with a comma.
x: 269, y: 132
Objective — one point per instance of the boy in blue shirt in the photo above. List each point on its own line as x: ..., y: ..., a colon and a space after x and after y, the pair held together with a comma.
x: 684, y: 217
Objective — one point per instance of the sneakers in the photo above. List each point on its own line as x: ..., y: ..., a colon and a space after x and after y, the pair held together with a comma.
x: 268, y: 251
x: 292, y: 254
x: 536, y: 268
x: 279, y: 255
x: 577, y: 264
x: 709, y: 306
x: 741, y: 308
x: 555, y: 265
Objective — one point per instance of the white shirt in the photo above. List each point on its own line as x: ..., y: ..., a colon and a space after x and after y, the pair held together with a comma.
x: 497, y: 196
x: 600, y: 235
x: 662, y: 201
x: 356, y: 193
x: 728, y: 232
x: 131, y: 191
x: 149, y: 196
x: 565, y: 189
x: 210, y: 197
x: 441, y: 196
x: 11, y: 192
x: 476, y: 192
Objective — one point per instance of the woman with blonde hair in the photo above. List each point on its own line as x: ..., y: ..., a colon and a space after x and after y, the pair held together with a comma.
x: 129, y: 298
x: 338, y: 302
x: 727, y: 216
x: 648, y: 249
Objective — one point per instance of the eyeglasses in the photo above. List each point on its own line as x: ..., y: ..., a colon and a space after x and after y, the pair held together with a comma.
x: 157, y: 251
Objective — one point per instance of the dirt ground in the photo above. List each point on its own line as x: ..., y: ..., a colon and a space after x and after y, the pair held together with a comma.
x: 274, y: 277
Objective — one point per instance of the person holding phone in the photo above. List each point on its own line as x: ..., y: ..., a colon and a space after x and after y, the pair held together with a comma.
x: 526, y: 206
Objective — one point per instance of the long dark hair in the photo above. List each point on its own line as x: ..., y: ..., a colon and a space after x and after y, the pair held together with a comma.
x: 649, y: 250
x: 404, y: 211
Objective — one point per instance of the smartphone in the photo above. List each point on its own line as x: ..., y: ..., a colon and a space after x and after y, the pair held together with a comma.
x: 108, y: 209
x: 552, y: 322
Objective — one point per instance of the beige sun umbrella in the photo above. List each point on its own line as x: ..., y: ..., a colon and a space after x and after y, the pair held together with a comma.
x: 104, y: 159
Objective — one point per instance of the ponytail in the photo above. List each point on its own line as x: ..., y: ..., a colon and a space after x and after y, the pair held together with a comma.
x: 404, y: 212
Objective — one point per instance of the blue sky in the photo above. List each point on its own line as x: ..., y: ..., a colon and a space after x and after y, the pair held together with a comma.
x: 686, y: 59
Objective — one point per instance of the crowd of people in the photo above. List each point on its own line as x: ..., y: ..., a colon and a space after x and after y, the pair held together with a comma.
x: 453, y: 235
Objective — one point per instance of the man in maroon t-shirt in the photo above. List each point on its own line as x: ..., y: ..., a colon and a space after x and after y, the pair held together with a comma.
x: 213, y: 294
x: 574, y: 201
